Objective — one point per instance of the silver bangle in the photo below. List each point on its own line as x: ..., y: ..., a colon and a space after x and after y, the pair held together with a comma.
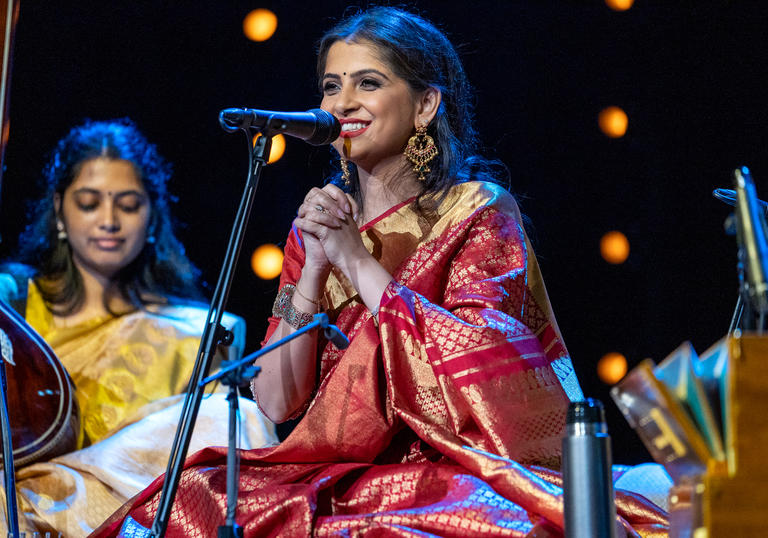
x: 283, y: 308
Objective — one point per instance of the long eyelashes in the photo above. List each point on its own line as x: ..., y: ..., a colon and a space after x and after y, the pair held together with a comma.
x: 330, y: 88
x: 370, y: 83
x: 126, y: 208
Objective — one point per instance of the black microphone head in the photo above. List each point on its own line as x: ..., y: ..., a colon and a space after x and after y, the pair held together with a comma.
x: 327, y: 128
x: 337, y: 338
x: 231, y: 119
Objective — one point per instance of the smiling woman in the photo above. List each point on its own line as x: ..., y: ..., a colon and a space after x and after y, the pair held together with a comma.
x: 105, y: 282
x: 376, y: 108
x: 444, y: 415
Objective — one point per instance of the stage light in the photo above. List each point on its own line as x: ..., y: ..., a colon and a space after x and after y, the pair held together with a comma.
x: 267, y: 261
x: 259, y: 24
x: 612, y: 367
x: 613, y: 122
x: 277, y: 148
x: 614, y: 247
x: 619, y: 5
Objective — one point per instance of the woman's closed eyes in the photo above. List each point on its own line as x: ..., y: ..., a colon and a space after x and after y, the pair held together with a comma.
x: 129, y: 202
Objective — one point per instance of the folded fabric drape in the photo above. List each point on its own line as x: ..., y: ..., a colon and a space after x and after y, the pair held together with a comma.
x: 441, y: 419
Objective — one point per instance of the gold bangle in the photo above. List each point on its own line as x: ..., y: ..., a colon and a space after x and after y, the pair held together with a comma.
x: 316, y: 303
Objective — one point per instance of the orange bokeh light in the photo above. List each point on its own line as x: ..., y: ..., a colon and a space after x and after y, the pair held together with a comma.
x: 613, y: 122
x: 259, y: 24
x: 619, y: 5
x: 612, y: 367
x: 267, y: 261
x: 276, y: 150
x: 614, y: 247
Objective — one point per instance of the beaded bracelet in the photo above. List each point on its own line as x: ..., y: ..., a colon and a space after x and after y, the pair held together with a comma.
x: 283, y: 308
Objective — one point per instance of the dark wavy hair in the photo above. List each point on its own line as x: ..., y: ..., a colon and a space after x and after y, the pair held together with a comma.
x: 159, y: 273
x: 416, y: 51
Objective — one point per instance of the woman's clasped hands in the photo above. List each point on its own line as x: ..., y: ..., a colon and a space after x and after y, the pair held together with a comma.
x: 327, y: 219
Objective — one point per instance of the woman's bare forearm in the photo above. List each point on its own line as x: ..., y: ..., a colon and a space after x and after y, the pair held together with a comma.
x: 287, y: 376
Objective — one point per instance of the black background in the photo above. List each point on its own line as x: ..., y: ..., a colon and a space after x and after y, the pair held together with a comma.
x: 689, y: 75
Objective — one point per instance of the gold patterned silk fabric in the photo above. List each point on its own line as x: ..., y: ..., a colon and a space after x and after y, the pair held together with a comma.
x: 119, y: 364
x: 434, y: 420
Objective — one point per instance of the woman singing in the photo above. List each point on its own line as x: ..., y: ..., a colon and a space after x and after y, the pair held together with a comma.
x: 444, y: 416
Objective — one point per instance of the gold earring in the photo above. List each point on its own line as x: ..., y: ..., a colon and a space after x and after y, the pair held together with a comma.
x: 345, y: 177
x: 420, y: 150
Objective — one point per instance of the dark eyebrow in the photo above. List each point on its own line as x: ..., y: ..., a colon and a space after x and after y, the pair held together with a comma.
x: 121, y: 194
x: 357, y: 74
x: 87, y: 190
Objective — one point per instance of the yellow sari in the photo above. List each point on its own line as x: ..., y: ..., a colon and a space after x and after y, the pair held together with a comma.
x: 129, y: 372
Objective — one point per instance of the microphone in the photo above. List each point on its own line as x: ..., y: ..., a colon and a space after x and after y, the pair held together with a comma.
x: 316, y: 126
x: 750, y: 233
x: 337, y: 338
x: 331, y: 332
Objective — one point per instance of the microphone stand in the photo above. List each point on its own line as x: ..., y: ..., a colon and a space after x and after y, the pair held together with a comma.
x: 742, y: 313
x: 234, y: 378
x: 732, y: 228
x: 753, y: 252
x: 235, y: 374
x: 213, y: 334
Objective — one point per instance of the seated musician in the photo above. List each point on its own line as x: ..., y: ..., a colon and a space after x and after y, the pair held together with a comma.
x: 101, y: 276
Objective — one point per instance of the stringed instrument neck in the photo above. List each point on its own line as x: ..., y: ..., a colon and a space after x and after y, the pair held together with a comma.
x: 42, y: 412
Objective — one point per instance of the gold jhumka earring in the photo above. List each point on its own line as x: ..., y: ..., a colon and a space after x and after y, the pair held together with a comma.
x: 345, y: 172
x: 421, y: 149
x: 345, y: 176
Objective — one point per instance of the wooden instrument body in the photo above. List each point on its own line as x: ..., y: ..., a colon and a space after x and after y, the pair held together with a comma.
x: 43, y: 412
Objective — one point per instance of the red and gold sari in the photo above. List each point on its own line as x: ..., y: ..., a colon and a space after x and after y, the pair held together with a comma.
x: 444, y: 418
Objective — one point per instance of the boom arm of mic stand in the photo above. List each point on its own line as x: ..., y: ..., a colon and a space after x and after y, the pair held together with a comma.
x: 258, y: 154
x: 319, y: 321
x: 233, y: 374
